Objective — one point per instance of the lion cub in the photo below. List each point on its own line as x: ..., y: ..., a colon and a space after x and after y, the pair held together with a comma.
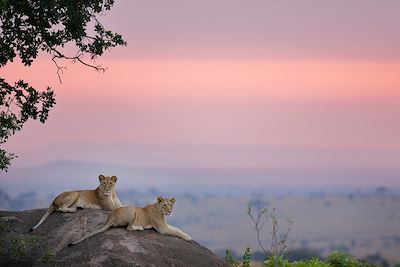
x: 103, y: 197
x: 151, y: 216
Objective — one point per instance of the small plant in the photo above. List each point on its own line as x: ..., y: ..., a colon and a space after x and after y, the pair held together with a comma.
x: 259, y: 215
x: 314, y: 262
x: 246, y: 258
x: 4, y: 226
x: 336, y: 259
x: 35, y: 239
x: 276, y: 261
x: 48, y: 256
x: 230, y: 259
x: 340, y: 259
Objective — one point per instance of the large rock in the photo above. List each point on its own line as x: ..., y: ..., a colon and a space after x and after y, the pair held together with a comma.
x: 47, y: 245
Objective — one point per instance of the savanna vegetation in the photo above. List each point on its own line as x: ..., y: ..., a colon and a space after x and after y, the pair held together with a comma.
x: 336, y: 259
x: 277, y: 246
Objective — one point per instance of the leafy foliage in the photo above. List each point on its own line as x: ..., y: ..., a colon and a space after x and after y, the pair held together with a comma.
x: 48, y: 256
x: 336, y: 259
x: 31, y: 27
x: 18, y: 104
x: 342, y: 259
x: 45, y: 25
x: 314, y: 262
x: 276, y: 260
x: 229, y: 258
x: 246, y: 258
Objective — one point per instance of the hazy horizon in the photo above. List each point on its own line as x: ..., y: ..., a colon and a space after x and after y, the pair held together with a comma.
x: 223, y: 180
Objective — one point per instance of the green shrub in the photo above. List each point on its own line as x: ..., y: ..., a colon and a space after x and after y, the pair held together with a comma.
x: 48, y: 256
x: 246, y: 258
x: 230, y: 259
x: 341, y: 259
x: 314, y: 262
x: 336, y: 259
x: 276, y: 261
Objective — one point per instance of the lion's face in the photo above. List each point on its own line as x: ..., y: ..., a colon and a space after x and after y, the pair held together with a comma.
x: 165, y: 205
x: 107, y: 184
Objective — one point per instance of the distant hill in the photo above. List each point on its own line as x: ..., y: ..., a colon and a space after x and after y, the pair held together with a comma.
x: 61, y: 176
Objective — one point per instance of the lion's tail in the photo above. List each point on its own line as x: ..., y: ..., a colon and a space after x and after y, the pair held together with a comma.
x: 48, y: 212
x: 104, y: 228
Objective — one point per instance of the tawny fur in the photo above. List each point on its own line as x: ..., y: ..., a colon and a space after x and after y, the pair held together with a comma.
x: 103, y: 197
x: 138, y: 219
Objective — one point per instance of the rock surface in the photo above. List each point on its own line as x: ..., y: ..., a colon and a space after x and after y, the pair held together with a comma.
x: 47, y: 245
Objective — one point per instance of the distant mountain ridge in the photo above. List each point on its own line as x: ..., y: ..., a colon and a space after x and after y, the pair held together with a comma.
x: 70, y: 175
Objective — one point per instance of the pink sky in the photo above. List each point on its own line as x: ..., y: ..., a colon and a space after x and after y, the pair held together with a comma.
x: 302, y: 74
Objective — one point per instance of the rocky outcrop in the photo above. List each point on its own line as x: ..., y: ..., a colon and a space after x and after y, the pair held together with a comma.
x: 47, y: 245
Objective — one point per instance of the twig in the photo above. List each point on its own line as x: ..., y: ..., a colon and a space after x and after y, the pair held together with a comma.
x: 59, y: 68
x: 58, y: 55
x: 278, y: 246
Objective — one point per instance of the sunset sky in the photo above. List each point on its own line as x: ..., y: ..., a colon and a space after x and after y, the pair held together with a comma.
x: 284, y: 83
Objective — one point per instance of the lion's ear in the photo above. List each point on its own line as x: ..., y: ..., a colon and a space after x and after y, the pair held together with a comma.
x: 173, y: 200
x: 160, y: 199
x: 101, y: 177
x: 114, y: 179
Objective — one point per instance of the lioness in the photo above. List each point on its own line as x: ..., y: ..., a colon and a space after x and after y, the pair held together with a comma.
x: 151, y: 216
x: 103, y: 197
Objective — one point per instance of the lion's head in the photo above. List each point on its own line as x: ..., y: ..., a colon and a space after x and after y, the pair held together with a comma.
x: 165, y: 205
x: 107, y: 184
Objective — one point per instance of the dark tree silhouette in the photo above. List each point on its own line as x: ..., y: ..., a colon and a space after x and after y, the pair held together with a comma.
x: 29, y: 27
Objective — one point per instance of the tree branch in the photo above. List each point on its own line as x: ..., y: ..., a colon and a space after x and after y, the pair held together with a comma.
x: 59, y: 68
x: 58, y: 55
